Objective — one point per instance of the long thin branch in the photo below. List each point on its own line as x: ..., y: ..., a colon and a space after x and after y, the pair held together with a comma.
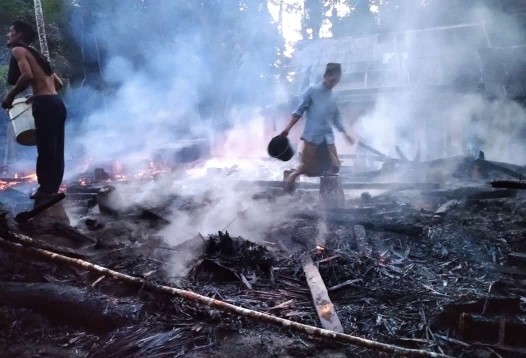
x: 210, y: 302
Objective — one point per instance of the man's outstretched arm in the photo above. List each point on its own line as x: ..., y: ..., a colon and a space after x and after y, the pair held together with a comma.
x: 295, y: 118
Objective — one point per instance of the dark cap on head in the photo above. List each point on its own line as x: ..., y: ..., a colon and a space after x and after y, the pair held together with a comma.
x: 333, y: 69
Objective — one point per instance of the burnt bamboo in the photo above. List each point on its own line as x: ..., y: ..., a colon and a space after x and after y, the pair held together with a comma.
x: 213, y: 303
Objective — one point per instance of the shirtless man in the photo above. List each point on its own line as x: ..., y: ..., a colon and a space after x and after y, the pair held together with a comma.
x: 29, y: 68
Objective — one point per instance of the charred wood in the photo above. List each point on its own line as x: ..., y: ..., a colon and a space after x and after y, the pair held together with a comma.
x: 500, y: 329
x: 508, y: 184
x: 213, y: 270
x: 516, y: 172
x: 372, y: 150
x: 351, y: 283
x: 345, y: 185
x: 488, y: 305
x: 84, y: 189
x: 470, y: 193
x: 213, y: 303
x: 378, y: 223
x: 75, y: 306
x: 154, y: 218
x: 73, y: 233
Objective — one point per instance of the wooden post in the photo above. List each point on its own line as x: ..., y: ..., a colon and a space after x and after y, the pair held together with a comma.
x: 42, y: 39
x: 331, y: 192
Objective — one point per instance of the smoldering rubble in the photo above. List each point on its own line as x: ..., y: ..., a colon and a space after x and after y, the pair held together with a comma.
x: 414, y: 268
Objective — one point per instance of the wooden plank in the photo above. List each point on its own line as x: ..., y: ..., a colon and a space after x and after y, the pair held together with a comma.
x: 320, y: 297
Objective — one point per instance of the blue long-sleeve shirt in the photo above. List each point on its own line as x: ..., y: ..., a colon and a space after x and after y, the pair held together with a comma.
x: 322, y: 112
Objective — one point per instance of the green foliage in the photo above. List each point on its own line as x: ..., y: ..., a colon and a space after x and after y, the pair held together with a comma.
x: 15, y: 9
x: 3, y: 76
x: 54, y: 10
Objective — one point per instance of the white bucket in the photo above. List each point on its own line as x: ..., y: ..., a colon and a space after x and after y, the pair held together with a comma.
x: 23, y: 122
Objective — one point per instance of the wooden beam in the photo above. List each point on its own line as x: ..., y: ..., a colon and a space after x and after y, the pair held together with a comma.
x: 320, y: 297
x: 345, y: 185
x: 508, y: 184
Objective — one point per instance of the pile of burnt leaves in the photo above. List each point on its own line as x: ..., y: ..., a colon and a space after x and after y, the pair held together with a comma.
x: 152, y: 339
x: 239, y: 252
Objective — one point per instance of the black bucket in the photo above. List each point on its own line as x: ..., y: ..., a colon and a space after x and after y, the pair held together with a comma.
x: 279, y: 148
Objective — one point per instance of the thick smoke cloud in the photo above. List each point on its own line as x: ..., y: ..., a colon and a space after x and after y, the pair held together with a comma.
x: 171, y: 71
x: 472, y: 113
x: 444, y: 90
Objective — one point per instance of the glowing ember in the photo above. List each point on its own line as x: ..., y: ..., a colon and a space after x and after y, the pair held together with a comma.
x: 321, y: 248
x: 30, y: 177
x: 6, y: 183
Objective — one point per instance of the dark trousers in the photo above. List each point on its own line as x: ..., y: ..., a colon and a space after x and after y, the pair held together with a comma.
x: 50, y: 116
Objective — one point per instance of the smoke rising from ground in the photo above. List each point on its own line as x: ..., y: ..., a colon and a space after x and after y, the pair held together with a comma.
x: 473, y: 115
x: 172, y: 71
x: 183, y: 70
x: 444, y: 87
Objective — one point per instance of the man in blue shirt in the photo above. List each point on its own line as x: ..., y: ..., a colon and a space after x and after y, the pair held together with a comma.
x: 319, y: 154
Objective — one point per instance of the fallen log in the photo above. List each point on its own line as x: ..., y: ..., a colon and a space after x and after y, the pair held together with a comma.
x: 75, y: 306
x: 216, y: 304
x: 320, y: 297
